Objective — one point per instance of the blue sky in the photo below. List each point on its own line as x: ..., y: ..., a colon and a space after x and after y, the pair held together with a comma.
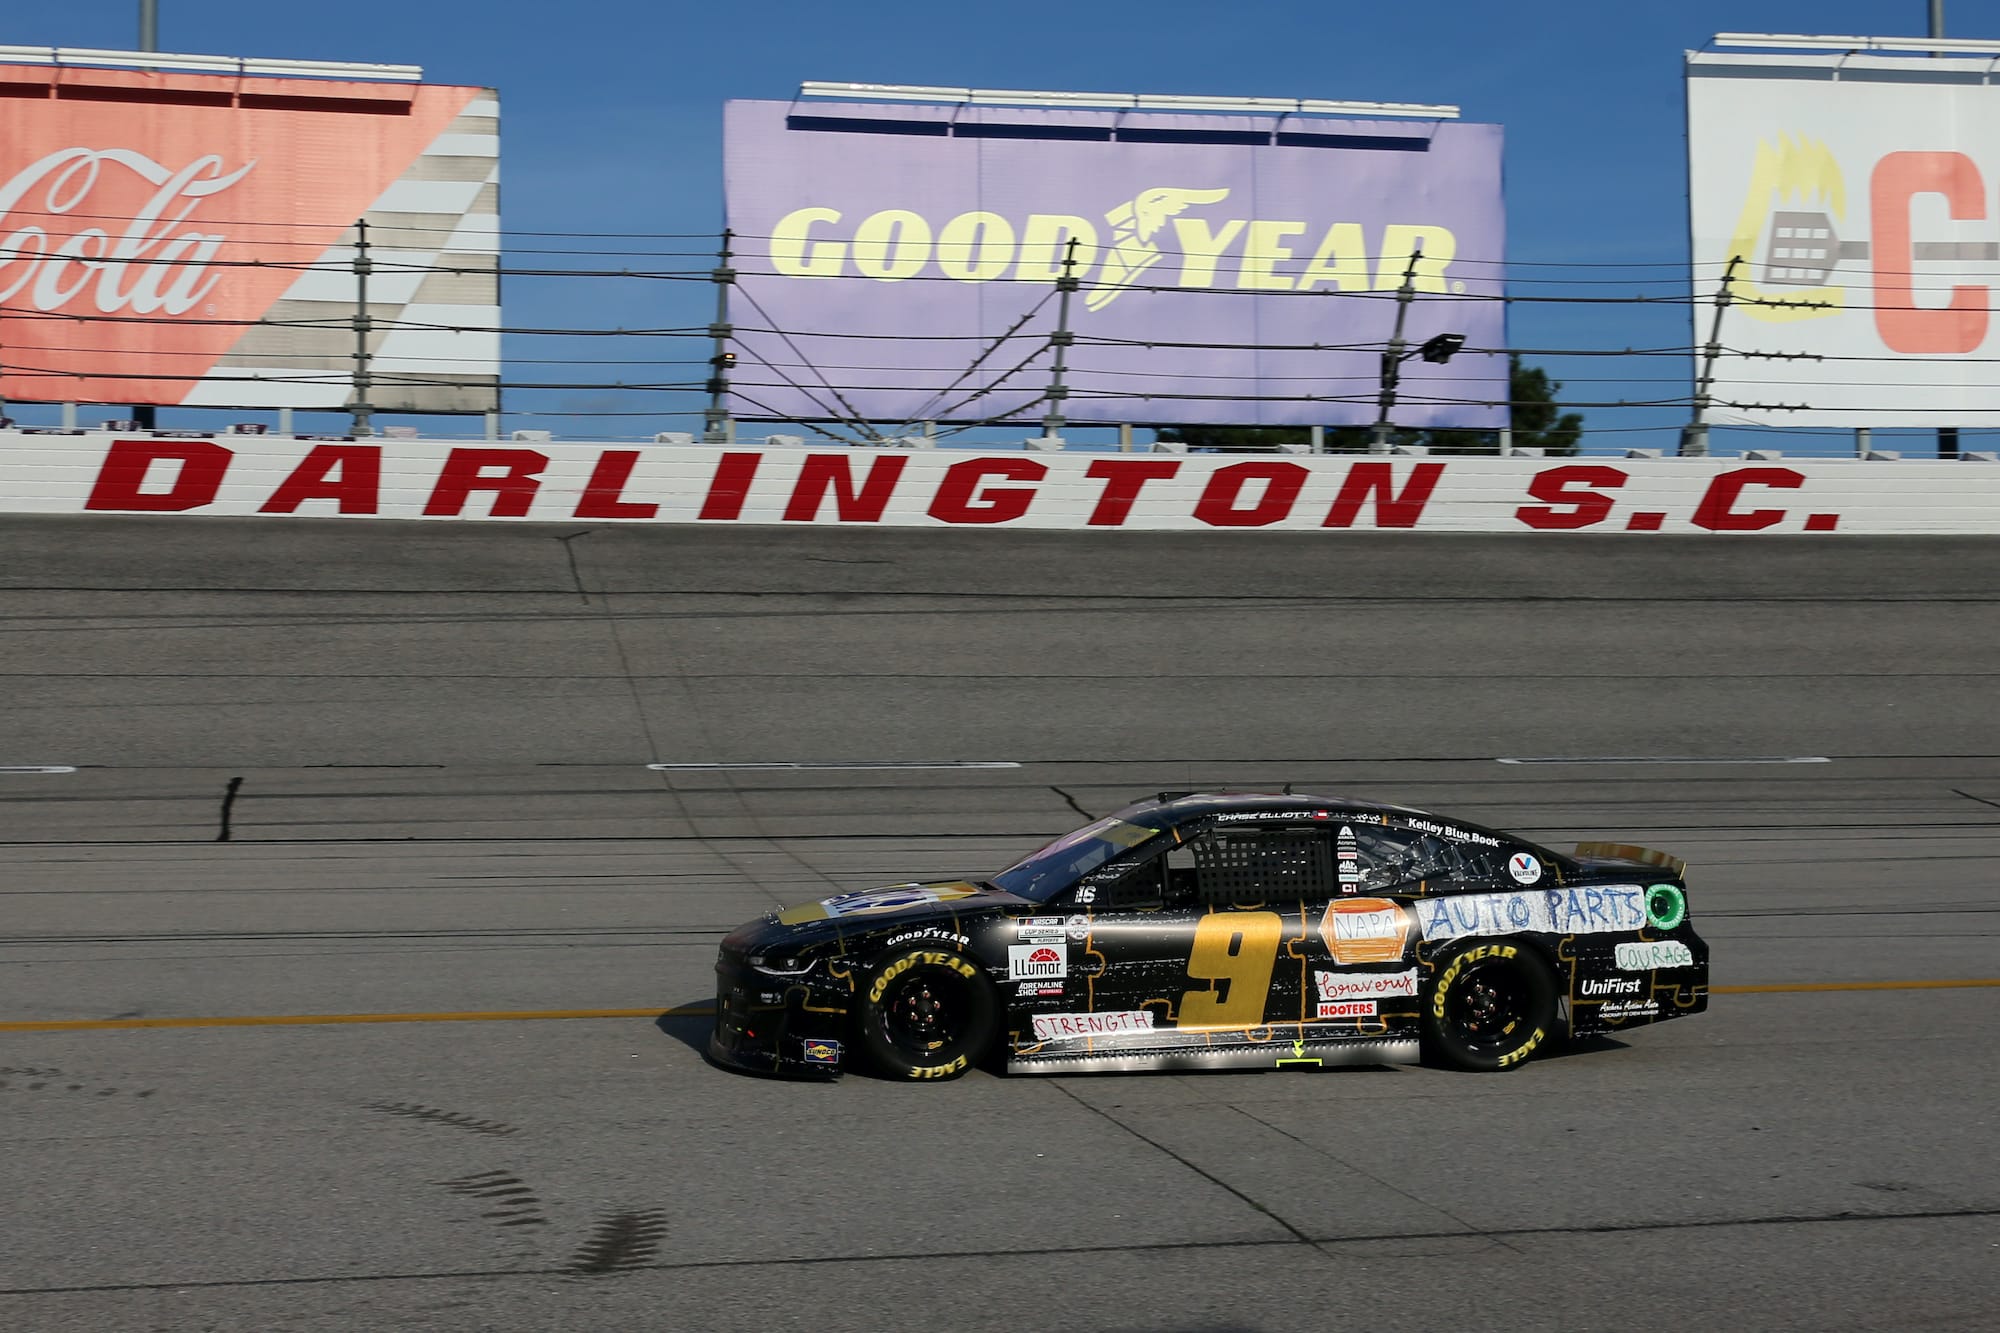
x: 612, y: 114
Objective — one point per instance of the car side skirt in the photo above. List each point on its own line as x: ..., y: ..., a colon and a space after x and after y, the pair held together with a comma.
x: 1275, y: 1054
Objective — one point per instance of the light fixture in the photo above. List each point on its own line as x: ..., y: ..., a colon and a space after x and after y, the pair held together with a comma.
x: 1276, y: 106
x: 1442, y: 348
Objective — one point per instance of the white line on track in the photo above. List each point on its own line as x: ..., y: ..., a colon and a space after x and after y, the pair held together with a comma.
x: 789, y: 766
x: 1640, y: 759
x: 37, y: 768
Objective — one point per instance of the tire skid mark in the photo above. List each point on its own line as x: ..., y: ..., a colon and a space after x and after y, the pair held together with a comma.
x: 620, y: 1242
x: 34, y: 1078
x: 433, y: 1115
x: 517, y: 1204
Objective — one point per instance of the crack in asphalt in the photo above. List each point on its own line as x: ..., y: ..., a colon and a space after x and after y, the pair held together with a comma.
x: 1056, y: 1251
x: 228, y: 807
x: 1211, y: 1178
x: 1470, y: 1228
x: 1072, y: 802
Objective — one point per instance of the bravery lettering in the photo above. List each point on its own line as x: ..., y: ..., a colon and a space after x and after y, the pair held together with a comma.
x: 1360, y: 985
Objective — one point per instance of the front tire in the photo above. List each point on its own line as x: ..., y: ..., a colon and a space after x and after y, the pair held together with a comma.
x: 1492, y: 1006
x: 926, y: 1014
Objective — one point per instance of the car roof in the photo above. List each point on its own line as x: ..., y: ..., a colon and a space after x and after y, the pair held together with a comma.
x: 1179, y: 806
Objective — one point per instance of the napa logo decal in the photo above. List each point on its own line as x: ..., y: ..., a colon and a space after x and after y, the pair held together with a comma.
x: 1118, y: 250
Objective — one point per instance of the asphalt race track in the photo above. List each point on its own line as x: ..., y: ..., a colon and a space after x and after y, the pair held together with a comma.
x: 427, y: 748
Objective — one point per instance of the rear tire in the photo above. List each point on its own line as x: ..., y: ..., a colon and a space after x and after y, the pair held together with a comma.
x: 1492, y: 1006
x: 926, y: 1014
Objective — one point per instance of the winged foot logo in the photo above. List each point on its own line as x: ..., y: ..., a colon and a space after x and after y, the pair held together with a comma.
x: 1133, y: 226
x: 1215, y: 252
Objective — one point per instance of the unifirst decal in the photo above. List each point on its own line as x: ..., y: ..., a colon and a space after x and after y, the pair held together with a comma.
x: 1579, y: 911
x: 1260, y: 254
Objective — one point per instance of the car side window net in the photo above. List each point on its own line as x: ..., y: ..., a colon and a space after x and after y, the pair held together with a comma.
x: 1249, y: 866
x: 1161, y: 878
x: 1391, y: 857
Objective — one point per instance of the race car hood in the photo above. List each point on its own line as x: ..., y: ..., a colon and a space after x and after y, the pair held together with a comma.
x: 848, y: 913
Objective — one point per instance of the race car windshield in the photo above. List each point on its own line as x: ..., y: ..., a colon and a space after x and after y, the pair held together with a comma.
x: 1040, y: 875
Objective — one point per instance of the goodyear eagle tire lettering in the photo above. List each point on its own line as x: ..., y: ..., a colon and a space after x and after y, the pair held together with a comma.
x: 1491, y: 1007
x: 928, y: 1014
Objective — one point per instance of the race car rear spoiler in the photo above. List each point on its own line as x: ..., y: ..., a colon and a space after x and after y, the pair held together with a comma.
x: 1615, y: 851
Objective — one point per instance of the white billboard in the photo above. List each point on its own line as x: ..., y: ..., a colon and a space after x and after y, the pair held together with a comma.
x: 1857, y: 194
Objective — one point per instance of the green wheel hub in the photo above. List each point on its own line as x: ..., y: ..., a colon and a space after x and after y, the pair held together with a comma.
x: 1666, y: 906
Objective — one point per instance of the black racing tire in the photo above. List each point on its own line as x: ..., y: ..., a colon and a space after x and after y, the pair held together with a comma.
x: 926, y: 1013
x: 1492, y: 1006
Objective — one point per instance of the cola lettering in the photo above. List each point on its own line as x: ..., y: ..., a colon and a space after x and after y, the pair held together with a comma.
x: 151, y: 266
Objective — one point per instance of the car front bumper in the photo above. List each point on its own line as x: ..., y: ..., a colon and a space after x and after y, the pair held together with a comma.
x: 770, y: 1024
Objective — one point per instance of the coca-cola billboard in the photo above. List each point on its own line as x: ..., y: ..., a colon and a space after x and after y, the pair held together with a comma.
x: 188, y: 239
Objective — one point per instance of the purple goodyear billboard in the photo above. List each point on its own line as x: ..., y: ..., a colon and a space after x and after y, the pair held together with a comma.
x: 899, y: 263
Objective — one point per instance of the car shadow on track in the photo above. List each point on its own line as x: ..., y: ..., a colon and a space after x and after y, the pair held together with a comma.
x: 1574, y: 1046
x: 689, y: 1024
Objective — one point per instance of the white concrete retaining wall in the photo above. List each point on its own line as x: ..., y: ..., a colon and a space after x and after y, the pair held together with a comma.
x: 228, y: 475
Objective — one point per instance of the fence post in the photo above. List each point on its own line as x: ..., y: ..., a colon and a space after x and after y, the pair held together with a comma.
x: 364, y: 414
x: 717, y: 428
x: 1694, y: 438
x: 1060, y: 340
x: 1393, y: 358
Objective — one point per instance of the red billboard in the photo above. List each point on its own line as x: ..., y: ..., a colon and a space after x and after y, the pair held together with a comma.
x: 188, y: 239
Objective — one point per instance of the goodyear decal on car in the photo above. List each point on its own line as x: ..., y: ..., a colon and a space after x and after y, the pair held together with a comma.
x: 876, y: 902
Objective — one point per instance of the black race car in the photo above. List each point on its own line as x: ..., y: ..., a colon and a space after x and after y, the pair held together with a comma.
x: 1193, y: 931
